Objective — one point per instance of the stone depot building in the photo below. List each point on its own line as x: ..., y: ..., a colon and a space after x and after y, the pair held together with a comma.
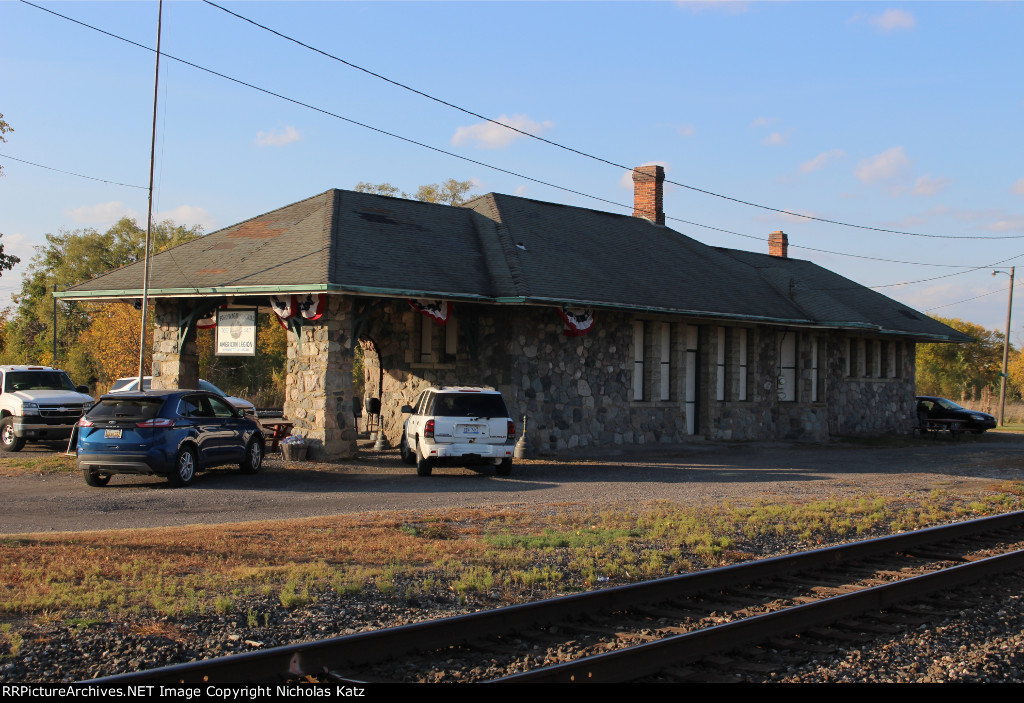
x: 602, y: 329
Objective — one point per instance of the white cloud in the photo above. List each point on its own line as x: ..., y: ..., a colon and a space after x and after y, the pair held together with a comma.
x: 891, y: 20
x: 101, y: 213
x: 926, y: 185
x: 487, y: 135
x: 1018, y: 187
x: 889, y: 164
x: 627, y: 176
x: 762, y: 121
x: 685, y: 130
x: 1009, y: 223
x: 278, y: 137
x: 187, y: 215
x: 821, y: 160
x: 520, y: 190
x: 777, y: 138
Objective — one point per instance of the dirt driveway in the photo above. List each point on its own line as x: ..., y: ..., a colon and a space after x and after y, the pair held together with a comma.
x: 694, y: 474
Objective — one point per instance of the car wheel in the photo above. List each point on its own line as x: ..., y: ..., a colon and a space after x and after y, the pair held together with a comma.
x: 184, y: 468
x: 253, y: 456
x: 424, y: 466
x: 407, y: 454
x: 10, y: 442
x: 504, y: 468
x: 97, y: 480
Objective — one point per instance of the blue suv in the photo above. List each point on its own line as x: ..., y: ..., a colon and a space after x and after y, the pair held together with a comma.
x: 172, y: 433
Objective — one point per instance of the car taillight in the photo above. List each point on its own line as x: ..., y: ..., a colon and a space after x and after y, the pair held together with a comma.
x: 428, y: 429
x: 84, y: 422
x: 156, y: 422
x: 511, y: 429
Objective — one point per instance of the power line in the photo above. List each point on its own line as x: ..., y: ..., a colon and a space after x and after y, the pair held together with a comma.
x: 71, y: 173
x: 966, y: 300
x: 589, y: 155
x: 480, y: 163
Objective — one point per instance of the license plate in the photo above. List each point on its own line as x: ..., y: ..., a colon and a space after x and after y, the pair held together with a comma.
x: 470, y: 429
x: 111, y: 434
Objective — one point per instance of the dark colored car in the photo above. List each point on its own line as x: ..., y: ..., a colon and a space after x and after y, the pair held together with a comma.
x: 172, y: 433
x: 946, y: 412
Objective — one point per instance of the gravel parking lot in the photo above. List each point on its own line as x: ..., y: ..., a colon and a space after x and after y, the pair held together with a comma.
x: 693, y: 474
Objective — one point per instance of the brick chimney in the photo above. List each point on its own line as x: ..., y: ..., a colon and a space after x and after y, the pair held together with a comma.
x: 648, y: 185
x: 778, y: 244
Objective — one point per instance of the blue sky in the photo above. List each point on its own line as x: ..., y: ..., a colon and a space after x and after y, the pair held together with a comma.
x: 901, y: 116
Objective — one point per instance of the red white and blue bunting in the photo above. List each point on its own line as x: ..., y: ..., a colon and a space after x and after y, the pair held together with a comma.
x: 437, y: 310
x: 307, y: 306
x: 207, y: 321
x: 578, y: 321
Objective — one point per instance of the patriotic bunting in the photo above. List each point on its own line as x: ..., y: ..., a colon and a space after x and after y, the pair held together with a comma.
x: 578, y: 321
x: 437, y: 310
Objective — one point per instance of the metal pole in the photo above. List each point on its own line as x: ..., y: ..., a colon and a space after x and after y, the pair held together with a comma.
x: 149, y: 211
x: 55, y: 326
x: 1006, y: 351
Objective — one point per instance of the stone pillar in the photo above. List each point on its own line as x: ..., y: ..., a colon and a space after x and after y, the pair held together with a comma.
x: 173, y: 367
x: 318, y: 385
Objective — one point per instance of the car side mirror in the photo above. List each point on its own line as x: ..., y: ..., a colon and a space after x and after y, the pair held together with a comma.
x: 82, y: 389
x: 407, y: 409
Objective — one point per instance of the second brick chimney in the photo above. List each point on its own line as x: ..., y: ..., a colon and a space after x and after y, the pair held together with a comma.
x: 778, y: 244
x: 648, y: 187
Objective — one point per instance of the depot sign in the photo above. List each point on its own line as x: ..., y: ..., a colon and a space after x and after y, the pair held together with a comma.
x: 236, y: 332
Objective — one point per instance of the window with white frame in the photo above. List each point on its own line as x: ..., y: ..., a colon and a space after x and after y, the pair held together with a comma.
x: 720, y: 364
x: 692, y: 359
x: 665, y: 379
x: 638, y: 360
x: 814, y: 370
x: 426, y: 340
x: 741, y: 335
x: 787, y: 367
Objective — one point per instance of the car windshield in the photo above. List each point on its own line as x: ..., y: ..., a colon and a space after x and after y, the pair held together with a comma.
x: 469, y: 405
x: 130, y: 409
x: 37, y: 381
x: 947, y: 404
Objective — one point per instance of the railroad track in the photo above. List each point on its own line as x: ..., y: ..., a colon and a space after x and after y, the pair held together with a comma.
x: 650, y: 630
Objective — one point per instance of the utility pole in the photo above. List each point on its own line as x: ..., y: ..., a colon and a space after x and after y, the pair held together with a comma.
x: 1006, y: 347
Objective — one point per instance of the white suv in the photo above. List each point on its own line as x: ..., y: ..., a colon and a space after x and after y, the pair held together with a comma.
x: 458, y: 425
x: 38, y: 402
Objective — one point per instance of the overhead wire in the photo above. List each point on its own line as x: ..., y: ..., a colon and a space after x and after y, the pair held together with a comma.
x: 589, y: 155
x: 503, y: 170
x: 70, y: 173
x: 464, y: 158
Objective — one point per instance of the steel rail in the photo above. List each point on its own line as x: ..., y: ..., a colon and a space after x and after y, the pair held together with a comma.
x: 350, y: 651
x: 647, y: 659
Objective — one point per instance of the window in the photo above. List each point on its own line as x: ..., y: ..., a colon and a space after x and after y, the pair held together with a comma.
x: 692, y: 359
x: 814, y: 370
x: 851, y: 357
x: 426, y: 340
x: 741, y: 335
x: 720, y: 364
x: 451, y: 339
x: 666, y: 361
x: 638, y: 360
x: 787, y: 367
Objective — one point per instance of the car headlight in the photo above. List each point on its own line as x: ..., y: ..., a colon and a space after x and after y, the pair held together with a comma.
x: 29, y: 409
x: 979, y: 418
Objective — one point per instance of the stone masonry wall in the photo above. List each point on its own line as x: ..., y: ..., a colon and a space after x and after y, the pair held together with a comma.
x: 318, y: 387
x: 173, y: 367
x: 579, y: 391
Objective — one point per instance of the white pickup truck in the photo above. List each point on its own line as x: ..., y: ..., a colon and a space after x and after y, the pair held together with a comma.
x: 38, y: 402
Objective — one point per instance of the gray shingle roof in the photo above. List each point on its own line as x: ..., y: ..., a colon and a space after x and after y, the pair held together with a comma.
x: 506, y: 249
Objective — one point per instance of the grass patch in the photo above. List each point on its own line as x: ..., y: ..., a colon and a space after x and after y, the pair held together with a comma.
x: 43, y: 463
x: 485, y: 556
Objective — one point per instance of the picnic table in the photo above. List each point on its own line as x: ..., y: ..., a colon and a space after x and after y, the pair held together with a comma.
x: 276, y: 430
